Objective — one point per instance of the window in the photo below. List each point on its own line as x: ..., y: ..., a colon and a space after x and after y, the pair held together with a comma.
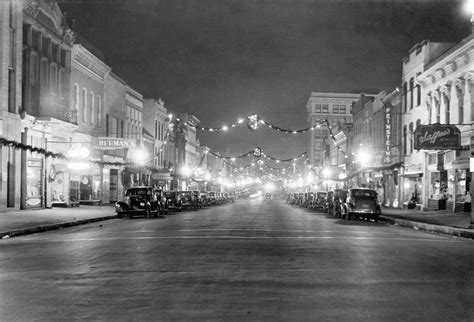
x: 342, y: 109
x: 317, y: 146
x: 84, y: 105
x: 325, y: 109
x: 63, y: 58
x: 121, y: 128
x: 405, y: 140
x: 62, y: 82
x: 45, y: 46
x: 412, y: 83
x: 99, y: 111
x: 11, y: 90
x: 54, y: 51
x: 335, y: 109
x: 75, y: 97
x: 411, y: 137
x: 438, y: 111
x: 460, y: 97
x: 107, y: 125
x: 156, y: 130
x: 418, y: 92
x: 35, y: 40
x: 418, y: 123
x: 446, y: 107
x: 92, y: 104
x: 405, y: 96
x: 317, y: 108
x: 33, y: 69
x: 53, y: 79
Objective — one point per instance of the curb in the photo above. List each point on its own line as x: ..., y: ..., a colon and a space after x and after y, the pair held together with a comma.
x: 452, y: 231
x: 40, y: 229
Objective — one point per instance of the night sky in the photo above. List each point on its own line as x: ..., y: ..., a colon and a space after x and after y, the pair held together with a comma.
x: 223, y: 59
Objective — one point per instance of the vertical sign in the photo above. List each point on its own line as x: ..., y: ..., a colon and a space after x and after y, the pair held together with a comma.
x: 388, y: 131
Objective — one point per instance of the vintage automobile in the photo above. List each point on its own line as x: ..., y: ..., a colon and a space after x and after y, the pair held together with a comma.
x: 212, y: 197
x: 204, y: 198
x: 174, y: 200
x: 141, y: 200
x: 320, y: 200
x: 361, y: 202
x: 187, y: 199
x: 197, y: 199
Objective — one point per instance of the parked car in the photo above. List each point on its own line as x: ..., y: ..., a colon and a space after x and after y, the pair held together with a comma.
x: 339, y: 198
x: 361, y: 202
x: 174, y: 200
x: 309, y: 198
x: 228, y: 197
x: 204, y: 198
x: 187, y: 199
x: 141, y: 200
x: 268, y: 196
x: 320, y: 200
x: 212, y: 197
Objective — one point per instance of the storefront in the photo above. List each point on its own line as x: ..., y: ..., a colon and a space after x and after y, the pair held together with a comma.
x: 412, y: 190
x: 86, y: 185
x: 34, y: 183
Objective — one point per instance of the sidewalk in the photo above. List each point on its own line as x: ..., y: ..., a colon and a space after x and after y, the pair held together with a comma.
x: 22, y: 222
x: 436, y: 221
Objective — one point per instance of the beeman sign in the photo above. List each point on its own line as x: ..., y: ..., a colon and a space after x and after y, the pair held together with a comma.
x: 437, y: 137
x: 110, y: 143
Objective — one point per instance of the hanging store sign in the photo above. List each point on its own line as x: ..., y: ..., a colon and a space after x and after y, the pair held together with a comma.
x: 110, y: 143
x: 437, y: 137
x: 388, y: 130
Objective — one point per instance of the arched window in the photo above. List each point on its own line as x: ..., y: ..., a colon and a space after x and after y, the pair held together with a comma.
x: 412, y: 84
x: 418, y: 123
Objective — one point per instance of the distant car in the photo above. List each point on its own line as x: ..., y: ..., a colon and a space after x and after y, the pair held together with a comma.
x: 174, y: 200
x: 361, y: 202
x: 141, y: 200
x: 268, y: 196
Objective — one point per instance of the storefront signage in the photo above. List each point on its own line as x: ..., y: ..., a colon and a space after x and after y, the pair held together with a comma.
x: 437, y: 137
x: 388, y: 130
x: 110, y: 143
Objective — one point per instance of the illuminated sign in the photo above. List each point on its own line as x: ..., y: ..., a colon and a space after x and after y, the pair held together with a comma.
x: 110, y: 143
x: 437, y: 137
x: 388, y: 132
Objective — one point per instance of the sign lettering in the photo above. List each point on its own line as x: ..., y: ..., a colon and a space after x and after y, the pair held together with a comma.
x: 437, y: 137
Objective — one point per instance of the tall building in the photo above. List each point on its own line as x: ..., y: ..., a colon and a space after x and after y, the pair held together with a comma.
x: 46, y: 109
x: 11, y: 23
x: 336, y: 108
x: 414, y: 114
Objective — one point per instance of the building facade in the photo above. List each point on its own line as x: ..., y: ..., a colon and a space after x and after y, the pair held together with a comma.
x: 11, y: 26
x: 447, y: 84
x: 46, y: 110
x: 336, y: 108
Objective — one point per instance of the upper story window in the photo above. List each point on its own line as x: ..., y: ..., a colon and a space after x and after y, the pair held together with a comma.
x: 53, y: 79
x: 35, y: 40
x: 325, y: 109
x: 92, y: 107
x: 75, y: 97
x: 342, y: 109
x: 99, y: 110
x: 45, y: 46
x: 84, y: 105
x: 54, y: 52
x: 412, y: 89
x: 317, y: 108
x: 405, y: 96
x: 335, y: 109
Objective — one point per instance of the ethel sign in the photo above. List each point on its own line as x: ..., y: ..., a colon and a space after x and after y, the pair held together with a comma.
x: 437, y: 137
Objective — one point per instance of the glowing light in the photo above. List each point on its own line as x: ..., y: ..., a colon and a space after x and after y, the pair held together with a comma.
x: 326, y: 172
x: 139, y: 155
x: 80, y: 152
x: 225, y: 128
x: 269, y: 187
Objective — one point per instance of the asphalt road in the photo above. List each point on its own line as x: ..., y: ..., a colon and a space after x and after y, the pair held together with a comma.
x: 248, y: 260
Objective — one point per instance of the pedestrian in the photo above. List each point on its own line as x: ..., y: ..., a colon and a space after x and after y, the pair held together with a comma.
x: 467, y: 201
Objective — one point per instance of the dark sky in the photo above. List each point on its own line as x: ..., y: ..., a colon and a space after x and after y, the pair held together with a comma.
x: 224, y: 59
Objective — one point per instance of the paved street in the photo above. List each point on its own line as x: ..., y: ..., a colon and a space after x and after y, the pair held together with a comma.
x: 248, y: 260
